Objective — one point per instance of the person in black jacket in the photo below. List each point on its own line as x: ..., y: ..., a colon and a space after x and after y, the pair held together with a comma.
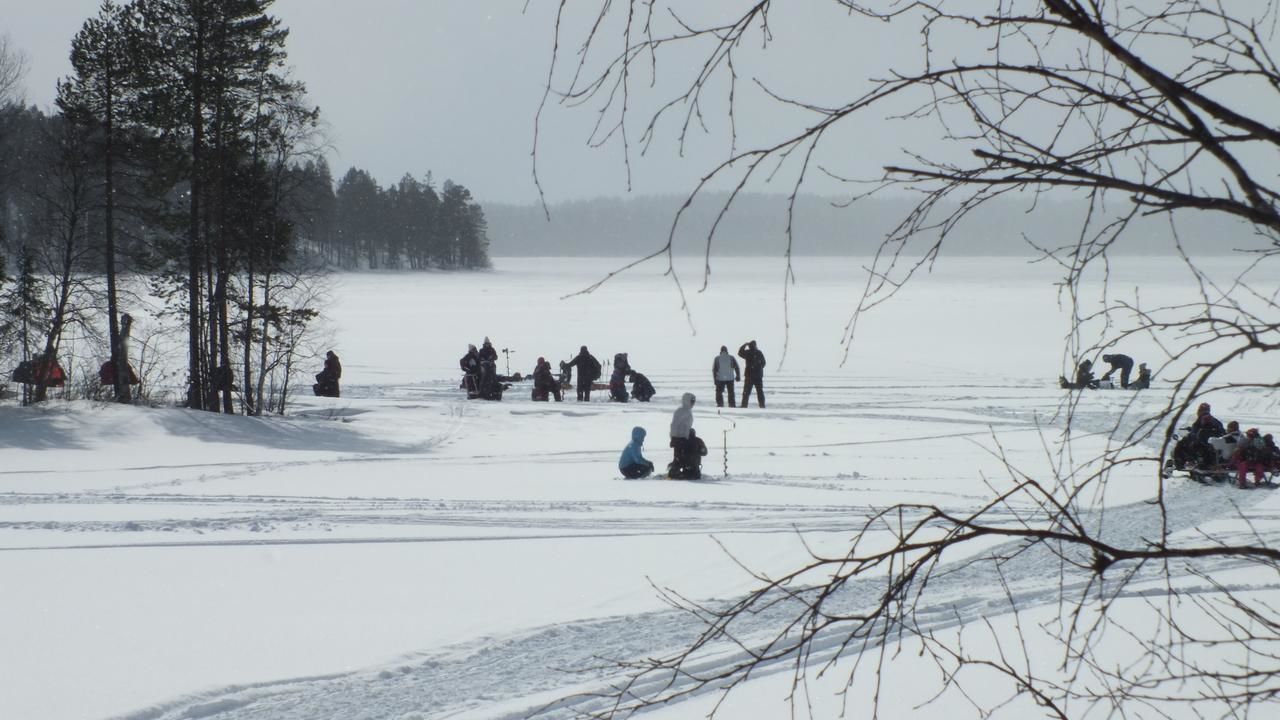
x: 687, y: 464
x: 491, y: 388
x: 1144, y: 378
x: 470, y: 364
x: 1193, y: 449
x: 545, y: 383
x: 488, y: 352
x: 327, y: 379
x: 641, y: 388
x: 1123, y: 363
x: 753, y: 374
x: 618, y: 380
x: 588, y: 372
x: 1084, y: 378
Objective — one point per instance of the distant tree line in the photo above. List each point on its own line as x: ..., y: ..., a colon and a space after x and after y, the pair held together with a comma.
x: 183, y: 152
x: 408, y: 224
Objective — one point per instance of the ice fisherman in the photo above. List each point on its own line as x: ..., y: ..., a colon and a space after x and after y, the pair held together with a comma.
x: 753, y: 372
x: 724, y: 371
x: 618, y: 379
x: 1084, y: 377
x: 545, y: 384
x: 681, y: 427
x: 633, y: 463
x: 327, y: 379
x: 588, y: 372
x: 491, y: 388
x: 470, y: 365
x: 688, y: 465
x: 641, y: 388
x: 1123, y: 363
x: 1144, y: 378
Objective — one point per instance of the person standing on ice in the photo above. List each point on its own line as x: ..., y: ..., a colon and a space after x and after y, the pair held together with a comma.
x: 1123, y: 363
x: 724, y: 370
x: 470, y: 364
x: 681, y: 426
x: 633, y: 463
x: 588, y: 372
x: 754, y: 372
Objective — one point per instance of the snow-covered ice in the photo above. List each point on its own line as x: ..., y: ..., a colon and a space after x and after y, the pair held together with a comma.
x: 404, y: 553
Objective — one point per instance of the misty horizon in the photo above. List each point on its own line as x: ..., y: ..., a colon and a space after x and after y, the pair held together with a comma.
x: 755, y: 225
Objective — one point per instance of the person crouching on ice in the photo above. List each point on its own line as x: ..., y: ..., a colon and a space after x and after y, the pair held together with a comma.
x: 689, y: 464
x: 633, y: 463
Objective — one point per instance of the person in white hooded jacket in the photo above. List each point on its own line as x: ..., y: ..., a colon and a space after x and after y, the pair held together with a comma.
x: 681, y: 424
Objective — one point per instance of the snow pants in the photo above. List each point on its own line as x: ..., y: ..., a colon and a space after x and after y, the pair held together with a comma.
x: 1243, y: 468
x: 632, y: 472
x: 753, y: 382
x: 721, y: 387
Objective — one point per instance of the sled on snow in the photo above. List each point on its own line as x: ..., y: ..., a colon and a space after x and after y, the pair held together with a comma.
x: 1216, y: 474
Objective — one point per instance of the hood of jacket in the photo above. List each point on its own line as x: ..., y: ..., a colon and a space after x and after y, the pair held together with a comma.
x: 637, y: 435
x: 686, y: 401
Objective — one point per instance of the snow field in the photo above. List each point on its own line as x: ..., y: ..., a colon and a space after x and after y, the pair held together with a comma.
x: 404, y: 553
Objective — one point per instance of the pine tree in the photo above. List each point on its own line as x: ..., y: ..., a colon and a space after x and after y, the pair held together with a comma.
x: 97, y: 99
x: 24, y: 315
x: 216, y: 86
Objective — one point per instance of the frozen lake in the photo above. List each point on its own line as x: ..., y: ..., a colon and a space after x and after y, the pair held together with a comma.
x: 404, y: 553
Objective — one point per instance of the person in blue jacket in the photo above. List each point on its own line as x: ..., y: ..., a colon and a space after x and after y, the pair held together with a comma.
x: 633, y: 463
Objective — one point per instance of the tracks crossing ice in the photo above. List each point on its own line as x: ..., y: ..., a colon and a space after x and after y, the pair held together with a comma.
x: 396, y: 467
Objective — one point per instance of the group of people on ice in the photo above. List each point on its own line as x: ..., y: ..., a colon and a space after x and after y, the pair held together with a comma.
x: 590, y: 370
x: 725, y: 371
x: 482, y: 381
x: 480, y: 376
x: 687, y: 449
x: 1208, y: 447
x: 1123, y: 364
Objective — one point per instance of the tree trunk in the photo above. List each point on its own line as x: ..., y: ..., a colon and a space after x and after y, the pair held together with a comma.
x: 196, y: 380
x: 118, y: 360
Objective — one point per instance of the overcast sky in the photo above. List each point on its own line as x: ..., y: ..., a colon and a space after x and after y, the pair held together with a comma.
x: 447, y: 86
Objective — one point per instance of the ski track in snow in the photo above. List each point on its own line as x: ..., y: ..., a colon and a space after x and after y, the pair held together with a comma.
x: 534, y: 664
x: 523, y: 672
